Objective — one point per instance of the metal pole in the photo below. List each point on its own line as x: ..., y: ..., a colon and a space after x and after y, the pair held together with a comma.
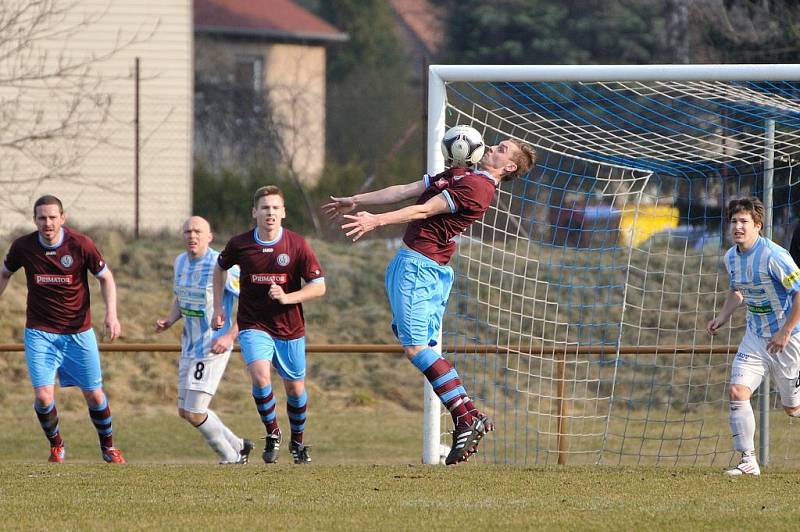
x: 431, y: 406
x: 136, y: 149
x: 763, y: 397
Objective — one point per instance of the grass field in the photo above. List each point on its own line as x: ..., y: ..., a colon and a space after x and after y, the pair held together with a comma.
x: 390, y: 497
x: 365, y: 475
x: 365, y: 431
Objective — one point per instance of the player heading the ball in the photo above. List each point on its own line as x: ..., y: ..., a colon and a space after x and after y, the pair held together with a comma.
x: 418, y: 279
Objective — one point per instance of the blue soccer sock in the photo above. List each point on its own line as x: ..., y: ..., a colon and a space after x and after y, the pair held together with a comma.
x: 446, y: 384
x: 48, y: 419
x: 265, y: 403
x: 101, y: 418
x: 296, y: 410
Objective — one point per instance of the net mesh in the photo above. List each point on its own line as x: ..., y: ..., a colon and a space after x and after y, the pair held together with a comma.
x: 577, y: 319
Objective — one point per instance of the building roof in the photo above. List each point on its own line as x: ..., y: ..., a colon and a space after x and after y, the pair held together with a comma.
x: 423, y: 20
x: 271, y: 19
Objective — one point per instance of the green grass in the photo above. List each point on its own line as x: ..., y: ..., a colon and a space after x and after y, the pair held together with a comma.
x: 383, y: 497
x: 366, y: 475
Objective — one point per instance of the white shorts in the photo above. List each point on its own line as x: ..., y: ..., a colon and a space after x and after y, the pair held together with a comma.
x: 753, y: 361
x: 198, y: 379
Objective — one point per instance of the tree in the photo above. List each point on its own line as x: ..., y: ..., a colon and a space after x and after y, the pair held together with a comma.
x: 53, y: 106
x: 549, y: 32
x: 741, y: 31
x: 373, y: 99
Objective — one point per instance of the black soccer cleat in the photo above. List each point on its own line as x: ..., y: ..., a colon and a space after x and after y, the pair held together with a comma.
x: 271, y: 447
x: 244, y: 454
x: 465, y: 441
x: 300, y: 453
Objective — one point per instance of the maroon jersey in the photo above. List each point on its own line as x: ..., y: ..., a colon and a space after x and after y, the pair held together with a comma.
x: 58, y: 287
x: 469, y: 194
x: 285, y: 261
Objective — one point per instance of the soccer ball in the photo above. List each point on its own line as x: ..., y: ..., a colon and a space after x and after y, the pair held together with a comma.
x: 462, y: 146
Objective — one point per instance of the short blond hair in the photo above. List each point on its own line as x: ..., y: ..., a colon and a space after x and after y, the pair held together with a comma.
x: 524, y: 160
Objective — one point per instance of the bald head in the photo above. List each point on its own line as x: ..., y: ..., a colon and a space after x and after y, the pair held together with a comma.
x: 196, y: 236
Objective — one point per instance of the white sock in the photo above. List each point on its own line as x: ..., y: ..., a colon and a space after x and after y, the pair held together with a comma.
x: 235, y: 441
x: 743, y: 427
x: 212, y: 431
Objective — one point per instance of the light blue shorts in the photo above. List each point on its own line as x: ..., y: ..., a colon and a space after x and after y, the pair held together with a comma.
x: 74, y: 357
x: 288, y: 356
x: 418, y: 289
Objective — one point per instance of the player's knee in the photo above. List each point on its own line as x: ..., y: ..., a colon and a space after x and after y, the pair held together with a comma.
x: 43, y: 398
x: 738, y: 392
x: 94, y: 397
x: 295, y: 388
x: 412, y: 350
x: 259, y: 373
x: 195, y: 418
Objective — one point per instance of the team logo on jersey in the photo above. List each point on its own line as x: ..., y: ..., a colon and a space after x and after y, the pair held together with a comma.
x: 196, y: 277
x: 46, y: 278
x: 268, y: 278
x: 283, y: 259
x: 791, y: 278
x: 66, y: 261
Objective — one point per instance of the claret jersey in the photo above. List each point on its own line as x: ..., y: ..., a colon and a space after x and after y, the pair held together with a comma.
x: 287, y: 261
x: 58, y: 287
x: 468, y: 193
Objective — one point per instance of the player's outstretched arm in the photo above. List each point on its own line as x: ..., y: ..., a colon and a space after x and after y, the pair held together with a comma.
x: 163, y: 324
x: 384, y: 196
x: 108, y: 288
x: 363, y: 222
x: 218, y: 319
x: 733, y: 300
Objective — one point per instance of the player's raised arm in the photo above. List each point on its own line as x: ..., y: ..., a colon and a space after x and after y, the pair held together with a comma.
x: 218, y: 319
x: 108, y: 288
x: 364, y: 222
x: 384, y: 196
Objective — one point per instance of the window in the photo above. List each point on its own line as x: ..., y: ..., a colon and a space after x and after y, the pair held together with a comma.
x: 249, y: 72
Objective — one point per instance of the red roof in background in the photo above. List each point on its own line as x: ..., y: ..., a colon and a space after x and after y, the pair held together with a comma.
x: 264, y: 18
x: 423, y: 20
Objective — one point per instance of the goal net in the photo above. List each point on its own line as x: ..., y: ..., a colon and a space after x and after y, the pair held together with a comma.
x: 577, y: 319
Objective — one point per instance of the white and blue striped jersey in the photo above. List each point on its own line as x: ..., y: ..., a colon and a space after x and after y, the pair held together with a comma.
x: 194, y: 291
x: 768, y: 279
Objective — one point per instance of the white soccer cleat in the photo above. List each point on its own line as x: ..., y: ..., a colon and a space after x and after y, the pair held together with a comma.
x: 745, y: 467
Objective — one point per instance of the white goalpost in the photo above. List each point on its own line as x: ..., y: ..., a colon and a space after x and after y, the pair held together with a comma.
x: 577, y: 318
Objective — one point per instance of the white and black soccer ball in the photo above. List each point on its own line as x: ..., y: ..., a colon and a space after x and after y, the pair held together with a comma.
x: 462, y: 146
